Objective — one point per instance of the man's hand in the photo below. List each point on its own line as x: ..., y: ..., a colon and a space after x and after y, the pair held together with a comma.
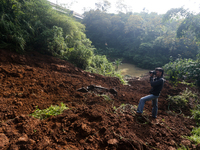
x: 151, y: 74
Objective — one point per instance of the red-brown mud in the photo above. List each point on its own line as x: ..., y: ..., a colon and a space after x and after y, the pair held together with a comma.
x: 91, y: 123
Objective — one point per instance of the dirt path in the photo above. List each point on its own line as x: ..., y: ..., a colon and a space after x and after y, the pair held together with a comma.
x: 91, y: 123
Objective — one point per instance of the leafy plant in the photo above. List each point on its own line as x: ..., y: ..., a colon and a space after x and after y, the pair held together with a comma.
x: 189, y: 84
x: 51, y: 111
x: 196, y: 114
x: 183, y: 69
x: 180, y: 101
x: 100, y: 65
x: 195, y: 135
x: 182, y: 147
x: 106, y: 97
x: 196, y: 131
x: 117, y: 63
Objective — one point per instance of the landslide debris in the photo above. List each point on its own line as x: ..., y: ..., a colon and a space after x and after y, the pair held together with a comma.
x: 92, y: 122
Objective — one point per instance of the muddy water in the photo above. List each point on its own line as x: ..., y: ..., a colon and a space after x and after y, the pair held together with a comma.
x: 132, y: 70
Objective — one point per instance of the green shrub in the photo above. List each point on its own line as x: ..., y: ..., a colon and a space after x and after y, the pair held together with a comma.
x: 80, y: 56
x: 196, y: 131
x: 35, y: 25
x: 180, y: 101
x: 100, y: 65
x: 118, y: 75
x: 183, y: 69
x: 196, y: 115
x: 182, y: 147
x: 12, y: 35
x: 51, y: 111
x: 195, y: 138
x: 51, y: 41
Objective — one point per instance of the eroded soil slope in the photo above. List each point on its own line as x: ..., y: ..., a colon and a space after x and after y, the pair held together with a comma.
x: 92, y: 122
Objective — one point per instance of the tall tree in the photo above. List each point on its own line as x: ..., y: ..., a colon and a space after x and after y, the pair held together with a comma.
x: 103, y: 5
x: 140, y: 38
x: 122, y: 7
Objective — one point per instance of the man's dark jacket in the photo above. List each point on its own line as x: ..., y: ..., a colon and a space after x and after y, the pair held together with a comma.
x: 157, y: 85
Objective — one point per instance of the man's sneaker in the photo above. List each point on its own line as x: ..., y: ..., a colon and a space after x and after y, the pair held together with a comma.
x: 138, y: 114
x: 142, y: 119
x: 155, y: 121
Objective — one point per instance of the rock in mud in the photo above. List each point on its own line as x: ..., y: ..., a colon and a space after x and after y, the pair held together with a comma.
x: 186, y: 142
x: 171, y: 148
x: 113, y: 91
x: 85, y: 130
x: 14, y: 147
x: 194, y: 146
x: 23, y: 139
x: 43, y: 143
x: 3, y: 140
x: 113, y: 142
x: 198, y: 146
x: 190, y: 127
x: 31, y: 141
x: 84, y: 90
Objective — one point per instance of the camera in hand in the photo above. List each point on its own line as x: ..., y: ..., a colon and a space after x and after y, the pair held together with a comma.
x: 152, y: 72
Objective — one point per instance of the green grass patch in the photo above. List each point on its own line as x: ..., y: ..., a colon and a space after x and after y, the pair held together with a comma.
x: 189, y: 84
x: 181, y: 100
x: 196, y: 115
x: 51, y: 111
x: 106, y: 97
x: 196, y: 131
x: 195, y: 135
x: 182, y: 147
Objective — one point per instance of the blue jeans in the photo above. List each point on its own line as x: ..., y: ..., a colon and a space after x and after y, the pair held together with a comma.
x: 154, y: 104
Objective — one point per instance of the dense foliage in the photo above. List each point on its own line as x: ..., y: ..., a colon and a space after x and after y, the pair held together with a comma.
x: 188, y: 69
x: 99, y: 64
x: 34, y: 25
x: 184, y: 69
x: 145, y: 39
x: 140, y: 38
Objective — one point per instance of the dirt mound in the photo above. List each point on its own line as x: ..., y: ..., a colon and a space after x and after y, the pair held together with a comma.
x: 92, y: 122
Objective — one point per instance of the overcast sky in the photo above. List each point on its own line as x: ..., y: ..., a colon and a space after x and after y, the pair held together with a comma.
x: 159, y: 6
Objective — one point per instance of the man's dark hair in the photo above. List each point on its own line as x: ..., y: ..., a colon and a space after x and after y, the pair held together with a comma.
x: 160, y: 69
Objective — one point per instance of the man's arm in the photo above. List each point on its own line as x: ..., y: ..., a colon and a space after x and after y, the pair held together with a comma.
x: 156, y: 83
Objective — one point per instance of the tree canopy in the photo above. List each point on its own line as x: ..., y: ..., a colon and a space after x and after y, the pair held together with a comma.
x: 35, y: 25
x: 145, y: 39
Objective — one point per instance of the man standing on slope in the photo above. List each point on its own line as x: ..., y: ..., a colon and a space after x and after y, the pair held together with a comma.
x: 157, y: 85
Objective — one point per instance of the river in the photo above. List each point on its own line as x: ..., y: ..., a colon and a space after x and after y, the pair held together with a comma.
x: 132, y: 70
